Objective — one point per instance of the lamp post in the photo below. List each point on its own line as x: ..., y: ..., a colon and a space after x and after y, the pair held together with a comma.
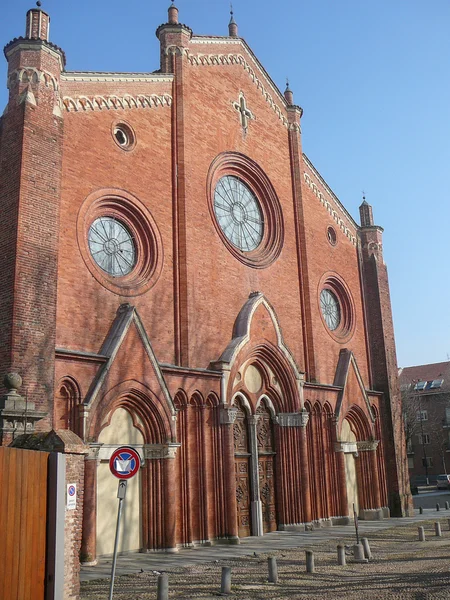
x: 425, y: 460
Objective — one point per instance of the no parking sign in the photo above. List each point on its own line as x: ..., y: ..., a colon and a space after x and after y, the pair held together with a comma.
x: 71, y: 496
x: 124, y: 462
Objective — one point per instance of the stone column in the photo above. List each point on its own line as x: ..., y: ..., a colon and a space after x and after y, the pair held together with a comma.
x: 375, y: 479
x: 227, y: 419
x: 88, y: 555
x: 342, y: 482
x: 255, y: 504
x: 305, y: 480
x: 170, y: 512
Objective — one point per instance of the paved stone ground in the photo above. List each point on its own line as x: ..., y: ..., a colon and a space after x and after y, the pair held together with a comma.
x: 402, y: 568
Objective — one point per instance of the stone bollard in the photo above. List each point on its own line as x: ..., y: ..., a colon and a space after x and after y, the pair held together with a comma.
x: 358, y: 553
x: 341, y: 555
x: 225, y: 587
x: 420, y: 510
x: 310, y: 561
x: 447, y: 505
x: 437, y: 529
x: 273, y: 569
x: 448, y: 521
x: 163, y: 587
x: 421, y: 534
x: 366, y: 548
x: 438, y: 508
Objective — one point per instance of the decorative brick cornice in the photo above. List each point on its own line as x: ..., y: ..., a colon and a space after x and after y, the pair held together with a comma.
x: 99, y: 76
x: 238, y: 59
x: 328, y: 205
x: 33, y: 76
x: 22, y: 43
x: 83, y: 103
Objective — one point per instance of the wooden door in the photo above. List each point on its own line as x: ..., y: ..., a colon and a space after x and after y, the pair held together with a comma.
x: 242, y: 468
x: 266, y: 467
x: 243, y: 496
x: 23, y: 523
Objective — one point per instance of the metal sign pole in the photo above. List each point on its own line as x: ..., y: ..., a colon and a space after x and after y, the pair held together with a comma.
x: 121, y: 495
x: 355, y: 516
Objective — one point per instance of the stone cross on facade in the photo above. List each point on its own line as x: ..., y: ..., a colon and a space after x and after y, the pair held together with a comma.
x: 245, y: 113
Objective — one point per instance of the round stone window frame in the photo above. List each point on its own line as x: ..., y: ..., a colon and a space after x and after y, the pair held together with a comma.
x: 132, y: 213
x: 251, y: 174
x: 128, y: 131
x: 331, y: 236
x: 337, y: 286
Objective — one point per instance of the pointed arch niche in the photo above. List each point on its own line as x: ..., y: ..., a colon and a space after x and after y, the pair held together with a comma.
x: 122, y: 430
x: 262, y: 403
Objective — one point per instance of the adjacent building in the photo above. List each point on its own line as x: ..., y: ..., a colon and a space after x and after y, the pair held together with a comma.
x: 425, y: 391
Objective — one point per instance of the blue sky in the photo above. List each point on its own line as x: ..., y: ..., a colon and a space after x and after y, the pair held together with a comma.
x: 373, y: 80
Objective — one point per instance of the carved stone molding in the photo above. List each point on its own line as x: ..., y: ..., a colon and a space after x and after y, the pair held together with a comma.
x: 228, y: 415
x: 17, y: 415
x: 299, y: 419
x: 93, y: 451
x: 83, y: 103
x: 346, y: 447
x: 157, y: 451
x: 367, y: 445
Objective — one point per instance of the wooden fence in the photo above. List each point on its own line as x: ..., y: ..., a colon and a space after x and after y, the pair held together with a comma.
x: 23, y: 523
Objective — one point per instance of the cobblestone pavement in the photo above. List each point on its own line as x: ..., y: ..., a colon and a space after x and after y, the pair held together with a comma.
x: 402, y: 568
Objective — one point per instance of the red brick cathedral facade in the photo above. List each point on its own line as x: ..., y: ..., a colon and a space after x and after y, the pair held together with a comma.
x: 177, y: 276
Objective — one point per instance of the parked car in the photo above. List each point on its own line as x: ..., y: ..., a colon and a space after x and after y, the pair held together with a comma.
x: 443, y: 482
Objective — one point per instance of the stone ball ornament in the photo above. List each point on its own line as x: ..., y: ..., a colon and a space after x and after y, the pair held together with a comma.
x: 12, y: 381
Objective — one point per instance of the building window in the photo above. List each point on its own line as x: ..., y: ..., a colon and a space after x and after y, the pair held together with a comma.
x: 238, y: 213
x: 112, y: 246
x: 119, y: 242
x: 436, y: 384
x: 331, y: 236
x: 421, y: 415
x: 410, y: 462
x: 427, y: 462
x: 124, y: 136
x: 336, y: 307
x: 420, y: 385
x: 245, y: 209
x: 424, y: 438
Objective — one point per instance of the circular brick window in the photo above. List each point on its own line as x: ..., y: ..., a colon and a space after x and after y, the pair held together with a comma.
x: 336, y: 307
x: 124, y: 136
x: 331, y: 236
x: 119, y: 242
x: 245, y: 210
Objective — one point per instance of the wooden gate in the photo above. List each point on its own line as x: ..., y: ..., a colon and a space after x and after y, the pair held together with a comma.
x: 23, y: 523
